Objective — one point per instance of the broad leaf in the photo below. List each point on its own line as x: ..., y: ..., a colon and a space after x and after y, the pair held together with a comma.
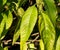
x: 58, y: 44
x: 47, y: 31
x: 51, y: 10
x: 28, y: 22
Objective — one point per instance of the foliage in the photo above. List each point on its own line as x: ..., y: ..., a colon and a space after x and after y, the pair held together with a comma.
x: 19, y: 20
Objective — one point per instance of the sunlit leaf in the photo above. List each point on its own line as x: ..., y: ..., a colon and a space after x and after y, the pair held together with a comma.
x: 41, y: 45
x: 58, y: 44
x: 16, y: 36
x: 9, y: 19
x: 2, y: 23
x: 28, y: 22
x: 8, y: 22
x: 47, y: 32
x: 5, y: 48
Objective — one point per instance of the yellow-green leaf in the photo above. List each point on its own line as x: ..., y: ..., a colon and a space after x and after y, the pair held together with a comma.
x: 9, y: 19
x: 2, y: 23
x: 5, y: 48
x: 58, y: 44
x: 28, y: 22
x: 41, y: 44
x: 47, y: 31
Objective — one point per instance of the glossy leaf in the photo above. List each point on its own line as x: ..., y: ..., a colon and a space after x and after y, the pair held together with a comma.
x: 58, y: 44
x: 51, y: 10
x: 47, y: 31
x: 28, y: 22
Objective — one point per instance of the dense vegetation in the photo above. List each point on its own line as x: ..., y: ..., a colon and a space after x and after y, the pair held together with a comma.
x: 29, y: 24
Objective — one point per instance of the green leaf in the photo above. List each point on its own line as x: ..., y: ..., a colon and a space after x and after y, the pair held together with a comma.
x: 5, y: 48
x: 20, y: 2
x: 9, y: 19
x: 58, y: 44
x: 16, y: 36
x: 1, y: 48
x: 41, y: 44
x: 2, y: 2
x: 2, y: 23
x: 28, y: 22
x: 8, y: 22
x: 51, y: 10
x: 17, y: 31
x: 47, y: 31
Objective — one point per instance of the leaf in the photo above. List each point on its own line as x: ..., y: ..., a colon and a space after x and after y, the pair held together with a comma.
x: 1, y: 48
x: 2, y: 23
x: 2, y: 2
x: 47, y: 31
x: 25, y: 46
x: 17, y: 31
x: 16, y: 36
x: 41, y: 44
x: 58, y: 44
x: 8, y: 22
x: 51, y: 10
x: 9, y: 19
x: 28, y: 22
x: 20, y: 2
x: 5, y: 48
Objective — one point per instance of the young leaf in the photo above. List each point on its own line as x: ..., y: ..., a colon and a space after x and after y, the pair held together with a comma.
x: 28, y: 22
x: 51, y: 10
x: 58, y: 44
x: 47, y: 31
